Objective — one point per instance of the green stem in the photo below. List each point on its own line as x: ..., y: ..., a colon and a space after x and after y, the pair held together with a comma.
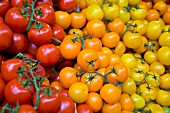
x: 56, y: 40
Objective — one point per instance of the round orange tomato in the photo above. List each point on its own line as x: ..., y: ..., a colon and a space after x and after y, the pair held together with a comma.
x: 161, y: 7
x: 152, y: 15
x: 104, y: 59
x: 119, y: 49
x: 111, y: 108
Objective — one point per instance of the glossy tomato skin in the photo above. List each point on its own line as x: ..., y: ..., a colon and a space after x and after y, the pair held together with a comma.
x: 9, y: 69
x: 21, y: 94
x: 84, y: 108
x: 19, y: 43
x: 2, y: 87
x: 1, y: 20
x: 19, y: 3
x: 46, y: 14
x: 42, y: 36
x: 5, y: 37
x: 4, y: 7
x: 67, y: 105
x: 66, y: 5
x: 16, y: 21
x: 65, y: 63
x: 48, y: 103
x: 38, y: 2
x: 48, y: 54
x: 31, y: 49
x: 26, y: 108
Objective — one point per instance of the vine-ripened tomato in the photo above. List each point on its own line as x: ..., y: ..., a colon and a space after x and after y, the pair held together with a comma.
x: 9, y: 69
x: 1, y: 20
x: 2, y: 84
x: 161, y: 7
x: 164, y: 39
x: 129, y: 60
x: 67, y: 105
x: 104, y: 59
x: 26, y: 108
x: 98, y: 2
x: 164, y: 55
x: 68, y: 77
x: 153, y: 79
x: 163, y: 98
x: 40, y: 35
x: 124, y: 15
x: 150, y: 56
x: 88, y: 60
x: 22, y: 94
x: 64, y: 63
x: 48, y: 54
x: 48, y: 103
x: 58, y: 32
x: 164, y: 79
x: 133, y: 3
x: 142, y: 48
x: 20, y: 3
x: 65, y: 5
x: 120, y: 48
x: 19, y: 43
x: 138, y: 12
x: 77, y: 89
x: 5, y: 37
x: 138, y: 100
x: 45, y: 13
x: 17, y: 21
x: 111, y: 108
x: 56, y: 85
x: 38, y: 2
x: 84, y: 108
x: 157, y: 67
x: 152, y: 15
x: 31, y: 49
x: 154, y: 108
x: 4, y: 7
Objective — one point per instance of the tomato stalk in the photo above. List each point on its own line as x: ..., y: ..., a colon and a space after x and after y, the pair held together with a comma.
x: 7, y: 107
x: 56, y: 40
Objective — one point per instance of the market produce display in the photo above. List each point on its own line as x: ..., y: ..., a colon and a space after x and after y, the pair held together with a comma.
x: 85, y: 56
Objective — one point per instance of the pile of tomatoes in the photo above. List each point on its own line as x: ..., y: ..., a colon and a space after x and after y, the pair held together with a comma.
x: 85, y: 56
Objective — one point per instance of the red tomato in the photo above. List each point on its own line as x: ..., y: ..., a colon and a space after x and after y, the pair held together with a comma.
x: 9, y: 69
x: 65, y: 63
x: 31, y: 49
x: 45, y: 13
x: 2, y: 87
x: 16, y: 20
x: 4, y: 7
x: 5, y: 37
x: 49, y: 101
x: 84, y: 108
x: 1, y: 20
x: 26, y: 108
x: 22, y: 93
x: 67, y: 105
x: 19, y: 43
x: 20, y: 3
x: 64, y: 92
x: 65, y: 5
x: 38, y: 2
x: 41, y: 35
x: 48, y: 54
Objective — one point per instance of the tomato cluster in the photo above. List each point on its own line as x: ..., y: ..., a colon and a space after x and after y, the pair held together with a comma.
x: 85, y: 56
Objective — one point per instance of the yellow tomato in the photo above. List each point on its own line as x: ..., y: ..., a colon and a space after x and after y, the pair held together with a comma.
x: 139, y: 101
x: 163, y: 98
x: 119, y: 49
x: 124, y: 15
x: 164, y: 55
x: 129, y: 60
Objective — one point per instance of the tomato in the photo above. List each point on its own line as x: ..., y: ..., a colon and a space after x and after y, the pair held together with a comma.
x: 132, y: 40
x: 45, y: 13
x: 122, y: 3
x: 117, y: 72
x: 129, y: 86
x: 164, y: 39
x: 68, y: 76
x: 150, y: 57
x: 93, y: 81
x: 20, y: 3
x: 138, y: 12
x: 104, y: 59
x: 1, y: 20
x: 63, y: 19
x: 67, y: 105
x: 164, y: 55
x: 49, y: 101
x: 65, y: 5
x: 111, y: 11
x: 77, y: 89
x: 129, y: 60
x: 19, y: 43
x: 133, y: 3
x: 94, y: 11
x: 110, y: 39
x: 5, y: 37
x: 95, y: 28
x: 88, y: 60
x: 2, y: 84
x: 17, y: 21
x: 98, y: 2
x: 31, y: 49
x: 153, y: 30
x: 82, y: 4
x: 93, y: 43
x: 126, y: 102
x: 22, y: 94
x: 152, y: 15
x: 38, y: 2
x: 84, y: 108
x: 163, y: 98
x: 114, y: 58
x: 138, y: 100
x: 77, y: 32
x: 154, y: 108
x: 78, y: 20
x: 119, y: 49
x: 153, y: 78
x: 56, y: 85
x: 64, y: 63
x: 111, y: 108
x: 161, y: 7
x: 48, y: 54
x: 40, y: 35
x: 64, y: 92
x: 124, y: 15
x: 9, y: 69
x: 117, y: 25
x: 26, y: 108
x: 147, y: 91
x: 141, y: 64
x: 157, y: 67
x: 166, y: 16
x: 164, y: 80
x: 107, y: 50
x: 5, y: 5
x: 110, y: 93
x: 58, y: 33
x: 70, y: 48
x: 94, y: 101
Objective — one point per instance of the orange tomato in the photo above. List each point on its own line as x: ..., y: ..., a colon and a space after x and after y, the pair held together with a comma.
x: 114, y: 58
x: 76, y: 32
x: 111, y: 108
x: 56, y: 85
x: 161, y: 7
x: 152, y: 15
x: 166, y: 17
x: 104, y: 59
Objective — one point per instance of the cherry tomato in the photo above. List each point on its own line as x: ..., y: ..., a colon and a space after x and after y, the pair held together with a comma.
x: 111, y: 108
x: 38, y: 2
x: 20, y: 3
x: 2, y: 84
x: 48, y: 54
x: 5, y: 37
x: 164, y: 55
x: 163, y: 97
x: 138, y: 12
x: 5, y: 5
x: 138, y: 100
x: 164, y: 80
x: 164, y: 39
x: 154, y: 108
x: 65, y: 5
x: 84, y: 108
x: 64, y: 63
x: 31, y: 49
x: 26, y: 108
